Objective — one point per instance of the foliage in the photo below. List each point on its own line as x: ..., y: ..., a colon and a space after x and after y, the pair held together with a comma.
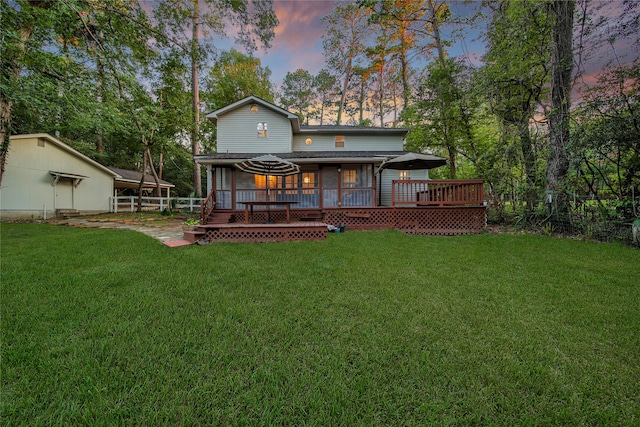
x: 442, y: 112
x: 297, y: 93
x: 515, y: 78
x: 527, y: 330
x: 235, y: 76
x: 605, y: 154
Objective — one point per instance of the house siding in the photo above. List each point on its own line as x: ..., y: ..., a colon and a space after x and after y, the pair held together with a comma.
x: 389, y: 175
x: 27, y: 189
x: 326, y: 142
x: 237, y: 132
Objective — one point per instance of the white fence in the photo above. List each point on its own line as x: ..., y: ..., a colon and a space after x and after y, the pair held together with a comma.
x: 130, y: 203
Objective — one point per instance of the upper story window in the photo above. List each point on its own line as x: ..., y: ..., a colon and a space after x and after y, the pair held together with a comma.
x: 262, y: 129
x: 339, y: 141
x: 403, y: 174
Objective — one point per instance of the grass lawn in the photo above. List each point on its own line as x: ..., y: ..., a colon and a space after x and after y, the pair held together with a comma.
x: 366, y: 328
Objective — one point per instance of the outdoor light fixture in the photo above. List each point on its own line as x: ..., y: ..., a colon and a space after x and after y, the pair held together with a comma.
x: 306, y: 180
x: 308, y: 141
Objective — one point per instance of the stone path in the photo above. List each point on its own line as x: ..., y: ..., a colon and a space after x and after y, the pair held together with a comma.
x: 169, y: 234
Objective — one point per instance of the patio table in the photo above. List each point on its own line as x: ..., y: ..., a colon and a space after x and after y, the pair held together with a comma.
x: 248, y: 208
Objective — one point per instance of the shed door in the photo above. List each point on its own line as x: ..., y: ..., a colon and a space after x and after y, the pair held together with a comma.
x: 64, y: 194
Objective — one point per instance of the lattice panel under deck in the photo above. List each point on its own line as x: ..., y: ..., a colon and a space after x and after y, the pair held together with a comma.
x: 432, y: 220
x: 260, y: 216
x: 265, y: 234
x: 441, y: 221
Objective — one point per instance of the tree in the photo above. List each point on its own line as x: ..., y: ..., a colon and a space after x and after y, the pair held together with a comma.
x: 344, y: 43
x: 604, y: 150
x: 52, y: 53
x: 234, y: 76
x: 442, y: 112
x: 381, y: 70
x: 325, y: 88
x: 405, y: 19
x: 254, y: 21
x: 558, y: 162
x: 515, y: 76
x: 297, y: 93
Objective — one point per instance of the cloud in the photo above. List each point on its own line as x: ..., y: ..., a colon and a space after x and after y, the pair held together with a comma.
x: 298, y: 37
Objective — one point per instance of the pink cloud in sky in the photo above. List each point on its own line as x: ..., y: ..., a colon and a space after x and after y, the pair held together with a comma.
x: 298, y: 39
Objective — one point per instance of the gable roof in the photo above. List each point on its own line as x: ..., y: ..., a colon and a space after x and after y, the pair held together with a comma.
x: 66, y: 148
x: 295, y: 123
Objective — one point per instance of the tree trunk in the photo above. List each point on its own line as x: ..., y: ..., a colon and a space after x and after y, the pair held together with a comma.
x: 195, y: 144
x: 404, y: 62
x: 558, y: 164
x: 153, y: 172
x: 529, y: 160
x: 435, y: 24
x: 347, y: 79
x: 141, y: 183
x: 5, y: 125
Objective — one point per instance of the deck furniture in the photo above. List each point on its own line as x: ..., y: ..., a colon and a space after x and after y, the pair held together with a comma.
x: 248, y: 208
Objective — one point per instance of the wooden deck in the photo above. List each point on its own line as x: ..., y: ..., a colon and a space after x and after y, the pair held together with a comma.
x: 241, y: 232
x: 441, y: 207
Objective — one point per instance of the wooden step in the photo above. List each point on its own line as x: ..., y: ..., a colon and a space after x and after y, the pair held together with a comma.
x: 67, y: 213
x: 222, y: 218
x: 193, y: 236
x: 312, y: 216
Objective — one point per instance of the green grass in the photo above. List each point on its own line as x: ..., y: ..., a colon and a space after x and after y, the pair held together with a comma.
x: 103, y: 327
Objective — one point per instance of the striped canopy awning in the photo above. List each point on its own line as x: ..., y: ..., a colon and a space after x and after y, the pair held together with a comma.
x: 268, y: 164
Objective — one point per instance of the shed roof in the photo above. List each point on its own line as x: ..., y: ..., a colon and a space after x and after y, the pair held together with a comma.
x: 131, y: 179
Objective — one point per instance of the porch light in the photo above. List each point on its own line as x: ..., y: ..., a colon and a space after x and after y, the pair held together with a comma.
x: 308, y: 141
x: 305, y: 180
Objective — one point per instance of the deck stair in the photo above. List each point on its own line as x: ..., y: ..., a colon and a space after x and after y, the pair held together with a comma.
x: 194, y: 235
x: 312, y: 216
x: 220, y: 217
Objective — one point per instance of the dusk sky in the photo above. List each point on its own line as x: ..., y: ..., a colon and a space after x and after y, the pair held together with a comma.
x: 298, y: 39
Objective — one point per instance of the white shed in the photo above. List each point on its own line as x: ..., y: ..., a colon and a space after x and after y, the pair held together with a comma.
x: 44, y: 176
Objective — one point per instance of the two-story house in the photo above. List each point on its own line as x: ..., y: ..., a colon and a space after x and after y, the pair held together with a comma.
x: 342, y: 175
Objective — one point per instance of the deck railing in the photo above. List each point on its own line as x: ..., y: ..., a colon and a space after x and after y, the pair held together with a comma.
x: 437, y: 192
x: 207, y: 207
x: 306, y: 197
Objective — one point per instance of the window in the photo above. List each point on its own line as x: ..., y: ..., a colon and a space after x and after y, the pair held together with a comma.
x: 262, y: 129
x: 40, y: 142
x: 253, y: 108
x: 339, y: 141
x: 403, y: 174
x: 350, y: 178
